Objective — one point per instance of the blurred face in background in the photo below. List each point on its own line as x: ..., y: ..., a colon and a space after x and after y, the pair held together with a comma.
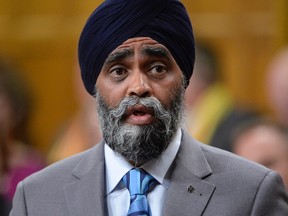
x: 264, y: 144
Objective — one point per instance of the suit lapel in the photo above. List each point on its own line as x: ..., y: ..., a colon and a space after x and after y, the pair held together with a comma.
x: 188, y: 192
x: 86, y: 195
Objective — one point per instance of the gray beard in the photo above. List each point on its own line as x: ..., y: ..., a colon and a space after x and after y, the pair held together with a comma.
x: 140, y: 143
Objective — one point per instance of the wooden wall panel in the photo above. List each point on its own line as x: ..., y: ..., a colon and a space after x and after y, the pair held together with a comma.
x: 245, y: 34
x: 41, y: 37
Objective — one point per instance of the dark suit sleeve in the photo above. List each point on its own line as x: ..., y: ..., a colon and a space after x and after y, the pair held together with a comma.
x: 271, y: 198
x: 19, y: 204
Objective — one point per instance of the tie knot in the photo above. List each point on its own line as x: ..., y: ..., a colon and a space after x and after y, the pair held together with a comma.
x: 139, y: 182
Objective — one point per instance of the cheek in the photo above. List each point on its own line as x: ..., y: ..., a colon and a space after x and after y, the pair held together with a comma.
x: 111, y: 95
x: 166, y: 93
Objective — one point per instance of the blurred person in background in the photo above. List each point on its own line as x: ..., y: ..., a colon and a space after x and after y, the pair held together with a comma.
x: 265, y: 142
x: 18, y: 157
x: 277, y: 85
x: 81, y: 131
x: 211, y: 112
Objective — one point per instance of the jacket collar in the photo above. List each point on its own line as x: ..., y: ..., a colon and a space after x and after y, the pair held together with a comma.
x: 86, y: 195
x: 188, y: 191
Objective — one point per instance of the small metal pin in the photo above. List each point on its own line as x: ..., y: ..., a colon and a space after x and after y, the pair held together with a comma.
x: 190, y: 189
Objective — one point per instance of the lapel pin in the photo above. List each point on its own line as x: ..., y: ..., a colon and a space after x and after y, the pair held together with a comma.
x: 190, y: 189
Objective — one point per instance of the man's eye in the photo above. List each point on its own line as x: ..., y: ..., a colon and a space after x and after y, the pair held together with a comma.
x: 158, y: 69
x: 118, y: 72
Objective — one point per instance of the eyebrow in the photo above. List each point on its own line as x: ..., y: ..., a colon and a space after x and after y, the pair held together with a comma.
x: 156, y: 52
x: 118, y: 55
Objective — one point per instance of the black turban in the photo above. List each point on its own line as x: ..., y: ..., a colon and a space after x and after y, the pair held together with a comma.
x: 115, y: 21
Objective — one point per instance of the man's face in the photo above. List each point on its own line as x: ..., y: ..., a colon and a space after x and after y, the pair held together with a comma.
x: 139, y: 67
x: 139, y: 97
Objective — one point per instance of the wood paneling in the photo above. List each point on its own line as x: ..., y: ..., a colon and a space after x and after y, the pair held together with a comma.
x: 245, y: 34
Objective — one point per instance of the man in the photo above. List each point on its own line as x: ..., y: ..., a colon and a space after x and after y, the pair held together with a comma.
x: 265, y: 142
x: 136, y: 57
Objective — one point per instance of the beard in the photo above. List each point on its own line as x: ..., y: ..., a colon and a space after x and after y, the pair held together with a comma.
x: 141, y: 143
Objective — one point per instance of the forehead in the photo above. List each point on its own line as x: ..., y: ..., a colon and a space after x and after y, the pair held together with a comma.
x: 138, y: 43
x: 144, y: 46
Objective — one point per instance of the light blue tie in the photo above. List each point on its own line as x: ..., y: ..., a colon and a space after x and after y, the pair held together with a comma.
x: 139, y: 184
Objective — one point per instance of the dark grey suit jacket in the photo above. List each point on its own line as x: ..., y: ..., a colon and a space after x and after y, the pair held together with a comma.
x: 203, y: 181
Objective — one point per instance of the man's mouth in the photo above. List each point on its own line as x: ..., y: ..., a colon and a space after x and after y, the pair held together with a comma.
x: 139, y: 115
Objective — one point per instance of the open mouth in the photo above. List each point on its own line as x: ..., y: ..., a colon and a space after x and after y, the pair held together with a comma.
x: 139, y: 110
x: 139, y: 115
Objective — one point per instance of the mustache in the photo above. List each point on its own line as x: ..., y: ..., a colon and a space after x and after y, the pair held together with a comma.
x: 150, y: 103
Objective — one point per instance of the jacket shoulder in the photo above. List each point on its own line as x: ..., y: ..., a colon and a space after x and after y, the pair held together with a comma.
x: 63, y: 170
x: 222, y: 160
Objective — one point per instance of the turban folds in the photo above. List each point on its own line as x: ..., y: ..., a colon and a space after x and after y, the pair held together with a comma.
x: 115, y: 21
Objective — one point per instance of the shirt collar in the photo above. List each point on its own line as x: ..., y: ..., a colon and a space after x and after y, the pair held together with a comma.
x: 117, y: 166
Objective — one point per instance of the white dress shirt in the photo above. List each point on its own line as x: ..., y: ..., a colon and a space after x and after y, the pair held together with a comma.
x: 118, y: 197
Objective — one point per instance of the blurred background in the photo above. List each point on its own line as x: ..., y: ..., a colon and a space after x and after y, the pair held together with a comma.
x: 40, y: 38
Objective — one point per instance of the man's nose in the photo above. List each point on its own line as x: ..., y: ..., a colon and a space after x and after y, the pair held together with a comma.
x: 139, y: 85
